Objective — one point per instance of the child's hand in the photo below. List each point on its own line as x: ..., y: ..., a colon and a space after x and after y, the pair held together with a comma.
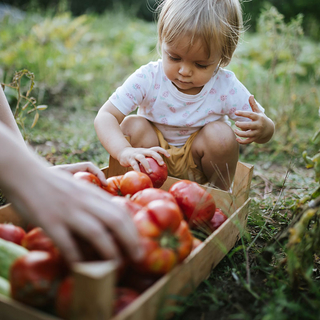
x: 132, y: 156
x: 259, y: 130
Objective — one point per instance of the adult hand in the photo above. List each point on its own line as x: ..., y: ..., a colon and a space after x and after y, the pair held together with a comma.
x: 62, y: 205
x: 82, y: 167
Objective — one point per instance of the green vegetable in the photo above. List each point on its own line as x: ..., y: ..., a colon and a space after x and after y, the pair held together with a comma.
x: 4, y: 287
x: 9, y: 252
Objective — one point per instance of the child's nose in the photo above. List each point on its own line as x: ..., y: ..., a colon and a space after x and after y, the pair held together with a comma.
x: 185, y: 70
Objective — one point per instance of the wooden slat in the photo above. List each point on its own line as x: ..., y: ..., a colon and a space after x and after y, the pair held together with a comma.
x: 8, y: 214
x: 184, y: 278
x: 94, y: 284
x: 242, y: 182
x: 12, y: 310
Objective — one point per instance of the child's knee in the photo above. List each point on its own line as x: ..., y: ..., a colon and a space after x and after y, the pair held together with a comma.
x: 218, y: 137
x: 140, y: 131
x: 133, y: 125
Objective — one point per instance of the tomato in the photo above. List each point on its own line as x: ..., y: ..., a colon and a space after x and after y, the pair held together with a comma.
x: 34, y: 278
x: 134, y: 181
x: 30, y: 226
x: 145, y: 196
x: 159, y: 173
x: 127, y: 204
x: 196, y: 203
x: 89, y: 177
x: 11, y: 233
x: 123, y: 297
x: 165, y: 237
x: 113, y: 185
x: 63, y: 298
x: 36, y: 239
x: 218, y: 219
x: 138, y: 281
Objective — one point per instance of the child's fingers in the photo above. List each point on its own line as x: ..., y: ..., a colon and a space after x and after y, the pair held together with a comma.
x: 245, y: 141
x: 162, y: 151
x: 245, y: 125
x: 253, y: 104
x: 143, y: 161
x: 246, y: 133
x: 247, y: 114
x: 134, y: 164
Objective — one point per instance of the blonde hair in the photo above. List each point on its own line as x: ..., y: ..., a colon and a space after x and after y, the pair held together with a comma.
x: 217, y: 23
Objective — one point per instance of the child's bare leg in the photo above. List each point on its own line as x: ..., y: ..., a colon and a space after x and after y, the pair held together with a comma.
x: 215, y: 152
x: 140, y: 131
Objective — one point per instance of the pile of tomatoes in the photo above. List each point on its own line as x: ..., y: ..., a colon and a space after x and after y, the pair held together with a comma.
x: 164, y: 220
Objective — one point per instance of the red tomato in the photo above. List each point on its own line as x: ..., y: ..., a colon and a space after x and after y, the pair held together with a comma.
x: 11, y: 233
x: 165, y: 237
x: 123, y: 297
x: 218, y: 219
x: 30, y: 226
x: 64, y: 298
x: 34, y: 278
x: 134, y: 181
x: 89, y: 177
x: 196, y: 203
x: 137, y: 281
x: 127, y: 204
x: 36, y: 239
x: 159, y: 173
x: 113, y: 185
x: 145, y: 196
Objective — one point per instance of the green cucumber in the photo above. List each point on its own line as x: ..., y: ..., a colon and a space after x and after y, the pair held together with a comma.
x: 4, y: 287
x: 9, y: 252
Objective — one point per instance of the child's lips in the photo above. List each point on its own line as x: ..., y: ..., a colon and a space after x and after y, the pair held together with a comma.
x: 184, y: 82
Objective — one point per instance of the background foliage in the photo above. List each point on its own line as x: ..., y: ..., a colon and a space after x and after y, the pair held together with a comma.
x: 289, y: 8
x: 79, y: 59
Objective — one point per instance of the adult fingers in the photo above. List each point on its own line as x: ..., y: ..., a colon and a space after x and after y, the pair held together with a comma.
x: 64, y: 241
x: 90, y: 167
x: 122, y: 226
x: 93, y: 230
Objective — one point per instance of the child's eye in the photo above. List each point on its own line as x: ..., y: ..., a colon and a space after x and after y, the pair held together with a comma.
x: 173, y: 58
x: 201, y: 66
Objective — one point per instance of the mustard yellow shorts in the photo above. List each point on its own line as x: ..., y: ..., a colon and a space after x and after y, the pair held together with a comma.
x: 181, y: 164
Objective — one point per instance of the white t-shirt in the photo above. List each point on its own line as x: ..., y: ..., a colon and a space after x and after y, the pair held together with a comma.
x: 177, y: 115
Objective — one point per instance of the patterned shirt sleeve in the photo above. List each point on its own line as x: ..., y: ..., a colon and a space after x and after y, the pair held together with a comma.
x: 130, y: 95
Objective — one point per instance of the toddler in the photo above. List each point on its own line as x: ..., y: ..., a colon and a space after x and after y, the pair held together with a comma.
x: 185, y: 99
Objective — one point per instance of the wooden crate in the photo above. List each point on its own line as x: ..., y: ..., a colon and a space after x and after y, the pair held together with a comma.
x: 94, y: 282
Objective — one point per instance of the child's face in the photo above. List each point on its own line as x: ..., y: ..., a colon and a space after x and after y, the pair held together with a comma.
x: 188, y: 67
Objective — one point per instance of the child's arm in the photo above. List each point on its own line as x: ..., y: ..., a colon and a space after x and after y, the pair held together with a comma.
x: 107, y: 125
x: 259, y: 130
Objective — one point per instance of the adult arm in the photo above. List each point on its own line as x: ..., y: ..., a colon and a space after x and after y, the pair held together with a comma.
x: 7, y: 117
x: 62, y: 205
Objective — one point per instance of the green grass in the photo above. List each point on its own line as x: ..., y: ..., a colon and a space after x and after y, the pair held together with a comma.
x: 78, y: 62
